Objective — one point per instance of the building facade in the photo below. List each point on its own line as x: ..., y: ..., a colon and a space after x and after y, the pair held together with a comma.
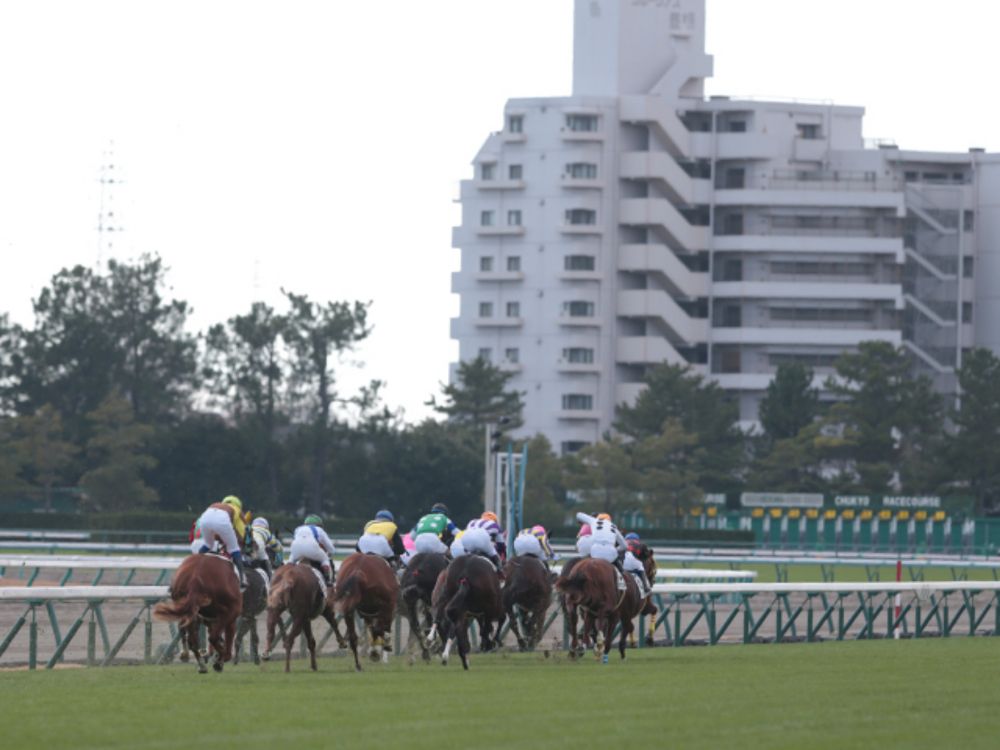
x: 637, y: 222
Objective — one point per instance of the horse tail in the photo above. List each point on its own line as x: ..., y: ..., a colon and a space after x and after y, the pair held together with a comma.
x: 280, y: 594
x: 456, y: 605
x: 573, y: 587
x: 183, y: 612
x: 347, y: 594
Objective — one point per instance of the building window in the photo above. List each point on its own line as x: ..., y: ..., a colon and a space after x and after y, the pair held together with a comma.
x: 573, y: 446
x: 578, y: 355
x: 486, y: 354
x: 515, y: 123
x: 581, y: 171
x: 732, y: 316
x: 515, y: 172
x: 579, y: 263
x: 513, y: 309
x: 578, y: 309
x: 486, y: 219
x: 485, y: 309
x: 581, y: 216
x: 732, y: 269
x: 581, y: 123
x: 514, y: 263
x: 808, y: 131
x: 729, y: 360
x: 736, y: 178
x: 966, y: 312
x: 968, y: 220
x: 485, y: 264
x: 514, y: 218
x: 968, y: 266
x: 577, y: 402
x: 512, y: 355
x: 732, y: 224
x: 737, y: 126
x: 487, y: 171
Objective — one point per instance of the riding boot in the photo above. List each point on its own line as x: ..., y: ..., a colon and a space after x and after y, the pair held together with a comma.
x: 328, y: 575
x: 238, y: 562
x: 498, y: 565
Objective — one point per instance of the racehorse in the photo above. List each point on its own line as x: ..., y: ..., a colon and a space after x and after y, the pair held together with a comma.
x: 254, y: 602
x: 367, y: 586
x: 297, y: 589
x: 468, y: 588
x: 645, y: 556
x: 528, y: 587
x: 591, y: 585
x: 204, y: 589
x: 416, y: 588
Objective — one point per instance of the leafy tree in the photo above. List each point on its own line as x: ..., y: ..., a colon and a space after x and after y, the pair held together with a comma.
x: 701, y: 407
x: 318, y: 334
x: 974, y: 448
x: 10, y: 354
x: 47, y: 457
x: 885, y: 413
x: 544, y: 488
x: 793, y: 464
x: 605, y: 468
x: 790, y: 402
x: 479, y: 395
x: 115, y: 451
x: 668, y: 465
x: 11, y: 459
x: 246, y: 367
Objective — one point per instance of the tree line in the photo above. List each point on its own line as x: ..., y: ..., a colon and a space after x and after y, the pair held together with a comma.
x: 109, y: 394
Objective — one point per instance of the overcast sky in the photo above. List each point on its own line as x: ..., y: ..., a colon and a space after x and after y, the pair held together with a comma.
x: 317, y: 146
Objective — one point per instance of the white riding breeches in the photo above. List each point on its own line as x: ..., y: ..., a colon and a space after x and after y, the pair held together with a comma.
x: 307, y: 548
x: 216, y: 526
x: 428, y: 542
x: 632, y: 563
x: 478, y: 540
x: 583, y: 545
x: 457, y: 548
x: 375, y: 544
x: 525, y: 544
x: 604, y: 551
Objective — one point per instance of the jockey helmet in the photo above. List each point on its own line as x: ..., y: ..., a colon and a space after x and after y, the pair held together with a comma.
x: 489, y: 516
x: 632, y: 536
x: 384, y: 515
x: 234, y: 502
x: 585, y: 530
x: 603, y: 516
x: 440, y: 508
x: 538, y: 530
x: 261, y: 523
x: 313, y: 520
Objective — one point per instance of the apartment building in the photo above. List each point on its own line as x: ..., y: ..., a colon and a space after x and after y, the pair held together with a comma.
x: 637, y: 222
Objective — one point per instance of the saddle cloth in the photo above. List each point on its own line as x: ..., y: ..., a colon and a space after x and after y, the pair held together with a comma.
x: 263, y: 576
x: 228, y: 559
x: 319, y: 577
x: 619, y: 580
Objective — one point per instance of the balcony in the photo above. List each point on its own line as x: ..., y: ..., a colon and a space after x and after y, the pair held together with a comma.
x: 829, y: 290
x: 660, y: 259
x: 579, y: 321
x: 659, y: 212
x: 499, y: 276
x: 499, y: 322
x: 654, y: 303
x: 766, y: 243
x: 809, y: 198
x: 662, y: 115
x: 500, y: 231
x: 581, y: 183
x: 578, y: 415
x: 650, y: 165
x: 647, y: 350
x: 581, y: 136
x: 499, y: 184
x: 577, y: 368
x: 833, y: 336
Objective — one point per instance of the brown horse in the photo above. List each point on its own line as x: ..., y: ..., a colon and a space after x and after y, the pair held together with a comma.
x: 644, y: 554
x: 469, y: 587
x: 254, y: 602
x: 528, y: 587
x: 204, y: 589
x: 591, y: 586
x: 297, y: 589
x: 417, y: 587
x: 367, y: 586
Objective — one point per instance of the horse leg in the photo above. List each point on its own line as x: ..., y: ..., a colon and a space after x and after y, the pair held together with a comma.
x: 311, y: 643
x: 609, y: 628
x: 628, y: 632
x: 193, y: 639
x: 463, y: 642
x: 331, y: 617
x: 273, y: 615
x: 241, y: 631
x: 216, y: 644
x: 290, y: 636
x: 254, y: 642
x: 352, y: 637
x: 571, y: 616
x: 512, y: 616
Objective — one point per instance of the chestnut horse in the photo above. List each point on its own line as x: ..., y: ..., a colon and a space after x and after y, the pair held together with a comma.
x: 528, y: 587
x: 297, y: 589
x: 416, y: 587
x: 468, y: 588
x: 367, y: 586
x: 591, y: 585
x: 204, y: 589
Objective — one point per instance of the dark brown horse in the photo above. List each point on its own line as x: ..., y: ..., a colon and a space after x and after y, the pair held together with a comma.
x: 469, y: 588
x: 367, y: 587
x: 528, y: 588
x: 644, y: 554
x: 204, y: 589
x: 416, y: 589
x: 254, y: 602
x: 591, y: 586
x: 296, y: 589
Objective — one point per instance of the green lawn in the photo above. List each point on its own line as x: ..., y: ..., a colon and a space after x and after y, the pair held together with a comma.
x: 880, y: 694
x: 844, y: 573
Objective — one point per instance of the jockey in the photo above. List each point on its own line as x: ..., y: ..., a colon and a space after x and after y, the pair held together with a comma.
x: 608, y: 543
x: 435, y: 531
x: 484, y: 535
x: 534, y: 542
x: 265, y: 547
x: 632, y: 563
x: 381, y: 537
x: 223, y: 523
x: 584, y: 540
x: 311, y: 543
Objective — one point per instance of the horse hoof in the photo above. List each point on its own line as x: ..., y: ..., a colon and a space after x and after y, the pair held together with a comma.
x: 604, y: 659
x: 202, y: 669
x: 217, y: 666
x: 374, y: 657
x: 185, y: 657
